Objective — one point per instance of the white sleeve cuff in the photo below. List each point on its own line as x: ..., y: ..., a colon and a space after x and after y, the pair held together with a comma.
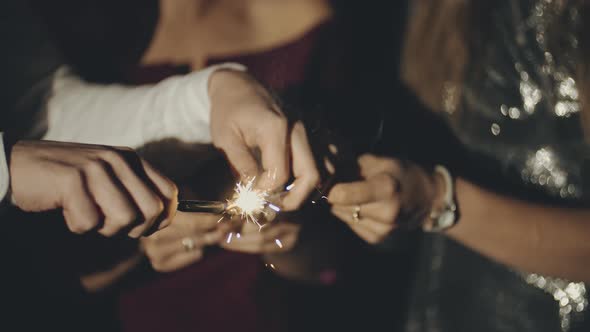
x: 4, y: 174
x: 191, y: 119
x: 177, y: 108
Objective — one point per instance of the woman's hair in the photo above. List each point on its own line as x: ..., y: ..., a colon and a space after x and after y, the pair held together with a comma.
x: 439, y: 37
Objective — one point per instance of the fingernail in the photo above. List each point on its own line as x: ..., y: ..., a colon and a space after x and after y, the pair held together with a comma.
x: 333, y: 149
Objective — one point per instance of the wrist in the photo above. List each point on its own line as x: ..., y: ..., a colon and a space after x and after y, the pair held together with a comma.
x: 223, y: 81
x: 444, y: 212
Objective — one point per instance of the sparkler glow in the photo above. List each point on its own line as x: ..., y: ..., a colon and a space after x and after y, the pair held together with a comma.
x: 248, y: 203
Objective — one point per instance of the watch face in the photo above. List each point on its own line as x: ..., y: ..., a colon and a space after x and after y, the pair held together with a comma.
x: 446, y: 219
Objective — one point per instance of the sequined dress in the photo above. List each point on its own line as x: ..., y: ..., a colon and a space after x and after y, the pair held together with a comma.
x: 519, y: 114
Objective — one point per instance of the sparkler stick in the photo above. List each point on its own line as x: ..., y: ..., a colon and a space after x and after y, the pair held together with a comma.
x: 216, y: 207
x: 247, y: 202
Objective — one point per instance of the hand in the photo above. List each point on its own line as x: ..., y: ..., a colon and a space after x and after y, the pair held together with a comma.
x: 244, y: 117
x: 107, y: 188
x: 277, y: 237
x: 377, y: 199
x: 182, y: 243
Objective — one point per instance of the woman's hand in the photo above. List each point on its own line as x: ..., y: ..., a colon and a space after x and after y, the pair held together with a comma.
x: 245, y: 118
x: 371, y: 207
x: 277, y: 237
x: 182, y: 243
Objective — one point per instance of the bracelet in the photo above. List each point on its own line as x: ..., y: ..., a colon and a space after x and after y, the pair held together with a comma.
x: 446, y: 216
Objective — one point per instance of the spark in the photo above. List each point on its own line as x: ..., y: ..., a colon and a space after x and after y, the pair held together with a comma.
x: 229, y: 237
x: 289, y: 187
x: 272, y: 266
x: 274, y: 207
x: 279, y: 243
x: 247, y: 202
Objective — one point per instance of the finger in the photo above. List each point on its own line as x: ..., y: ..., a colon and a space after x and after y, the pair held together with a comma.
x: 178, y: 261
x: 366, y: 234
x: 159, y: 249
x: 147, y: 201
x: 188, y: 224
x: 193, y: 221
x: 117, y: 207
x: 371, y: 165
x: 272, y: 141
x: 80, y: 212
x: 381, y: 186
x: 240, y: 157
x: 305, y: 170
x: 382, y: 211
x: 370, y: 230
x: 168, y: 191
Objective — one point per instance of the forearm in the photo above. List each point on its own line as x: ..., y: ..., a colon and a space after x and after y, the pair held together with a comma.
x: 529, y: 237
x: 177, y: 108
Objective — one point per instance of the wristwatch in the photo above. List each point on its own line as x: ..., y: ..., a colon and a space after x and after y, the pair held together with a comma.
x: 447, y: 215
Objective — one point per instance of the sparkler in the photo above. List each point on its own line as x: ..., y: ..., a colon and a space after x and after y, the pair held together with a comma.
x: 247, y: 202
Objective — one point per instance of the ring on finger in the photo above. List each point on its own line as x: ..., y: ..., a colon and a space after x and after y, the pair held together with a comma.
x: 188, y: 244
x: 356, y: 214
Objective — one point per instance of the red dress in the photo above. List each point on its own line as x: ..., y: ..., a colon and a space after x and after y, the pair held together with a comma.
x: 219, y: 292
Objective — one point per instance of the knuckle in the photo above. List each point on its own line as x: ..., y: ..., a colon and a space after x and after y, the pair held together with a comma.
x: 123, y: 218
x: 388, y: 185
x: 74, y: 228
x: 109, y: 154
x: 75, y: 178
x: 108, y: 231
x: 94, y: 166
x: 80, y: 227
x: 154, y: 208
x: 170, y: 189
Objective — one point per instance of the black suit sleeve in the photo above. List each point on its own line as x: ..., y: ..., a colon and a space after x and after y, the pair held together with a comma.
x: 27, y: 62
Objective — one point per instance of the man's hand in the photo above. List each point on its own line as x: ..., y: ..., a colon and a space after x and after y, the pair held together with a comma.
x: 244, y: 117
x: 98, y: 187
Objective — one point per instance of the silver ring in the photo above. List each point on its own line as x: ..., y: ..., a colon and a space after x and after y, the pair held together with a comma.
x: 356, y: 214
x: 188, y: 244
